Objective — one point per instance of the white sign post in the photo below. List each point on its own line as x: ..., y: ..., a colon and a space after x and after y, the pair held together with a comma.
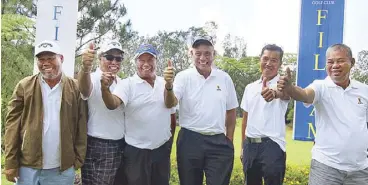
x: 57, y: 21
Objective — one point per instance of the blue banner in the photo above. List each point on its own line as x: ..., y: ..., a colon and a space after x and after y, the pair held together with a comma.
x: 321, y: 25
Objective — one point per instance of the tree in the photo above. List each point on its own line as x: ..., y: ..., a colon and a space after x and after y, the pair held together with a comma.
x: 16, y: 55
x: 243, y: 72
x: 360, y: 71
x: 290, y: 60
x: 210, y: 29
x: 175, y: 45
x: 98, y: 20
x: 171, y: 46
x: 234, y: 47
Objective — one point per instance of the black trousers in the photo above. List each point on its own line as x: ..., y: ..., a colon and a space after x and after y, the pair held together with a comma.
x: 103, y: 158
x: 263, y: 161
x: 147, y: 167
x: 199, y: 154
x: 120, y: 178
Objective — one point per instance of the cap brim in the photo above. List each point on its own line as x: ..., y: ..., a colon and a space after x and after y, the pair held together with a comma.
x: 201, y: 41
x: 139, y: 54
x: 36, y: 54
x: 115, y: 49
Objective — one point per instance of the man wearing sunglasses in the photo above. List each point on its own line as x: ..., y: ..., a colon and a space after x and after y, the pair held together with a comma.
x: 208, y: 102
x: 105, y: 127
x: 148, y: 120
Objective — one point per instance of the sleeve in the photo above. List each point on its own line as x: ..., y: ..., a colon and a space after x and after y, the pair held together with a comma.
x: 316, y: 86
x: 244, y: 103
x: 179, y: 85
x: 81, y: 136
x: 122, y: 90
x: 173, y: 110
x: 12, y: 128
x: 231, y: 98
x: 96, y: 86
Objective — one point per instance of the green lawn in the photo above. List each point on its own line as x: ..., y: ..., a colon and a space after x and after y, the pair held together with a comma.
x: 298, y: 152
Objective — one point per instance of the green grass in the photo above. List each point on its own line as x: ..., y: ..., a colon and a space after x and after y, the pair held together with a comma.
x: 298, y: 152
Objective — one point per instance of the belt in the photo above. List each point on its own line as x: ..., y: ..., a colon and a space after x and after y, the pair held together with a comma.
x: 257, y: 140
x: 208, y: 133
x: 202, y: 133
x: 104, y: 140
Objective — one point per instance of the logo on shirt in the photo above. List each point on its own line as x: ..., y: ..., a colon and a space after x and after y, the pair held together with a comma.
x: 360, y: 101
x: 218, y: 88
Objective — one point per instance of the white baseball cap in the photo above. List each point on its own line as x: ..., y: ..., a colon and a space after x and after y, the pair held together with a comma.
x: 111, y: 45
x: 47, y: 45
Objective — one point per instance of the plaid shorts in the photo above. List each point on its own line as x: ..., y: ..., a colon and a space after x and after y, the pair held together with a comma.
x: 103, y: 159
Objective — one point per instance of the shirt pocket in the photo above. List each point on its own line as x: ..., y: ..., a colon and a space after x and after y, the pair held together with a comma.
x: 361, y: 110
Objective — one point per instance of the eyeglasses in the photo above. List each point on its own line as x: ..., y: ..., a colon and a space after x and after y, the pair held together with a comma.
x: 112, y: 57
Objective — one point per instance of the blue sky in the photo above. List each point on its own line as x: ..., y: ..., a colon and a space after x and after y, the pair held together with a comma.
x: 257, y: 21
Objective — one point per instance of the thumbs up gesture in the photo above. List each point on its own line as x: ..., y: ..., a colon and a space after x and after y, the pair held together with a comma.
x: 87, y: 58
x: 169, y: 74
x: 267, y: 93
x: 284, y: 84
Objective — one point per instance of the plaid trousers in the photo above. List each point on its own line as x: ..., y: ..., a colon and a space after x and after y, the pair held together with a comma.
x: 103, y: 159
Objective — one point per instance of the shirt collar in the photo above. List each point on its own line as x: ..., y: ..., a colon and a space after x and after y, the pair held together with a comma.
x: 43, y: 80
x: 330, y: 83
x: 272, y: 81
x: 212, y: 74
x: 138, y: 79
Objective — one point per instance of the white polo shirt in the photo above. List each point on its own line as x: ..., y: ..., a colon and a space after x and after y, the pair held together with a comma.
x: 147, y: 118
x: 51, y: 99
x: 102, y: 122
x: 341, y: 124
x: 265, y: 119
x: 203, y: 102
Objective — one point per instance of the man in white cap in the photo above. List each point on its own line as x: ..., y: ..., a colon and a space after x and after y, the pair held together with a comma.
x: 207, y: 101
x: 148, y: 120
x: 46, y: 124
x: 105, y: 127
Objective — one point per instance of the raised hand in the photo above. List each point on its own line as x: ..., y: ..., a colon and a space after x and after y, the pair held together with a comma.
x: 169, y: 74
x: 267, y: 93
x: 284, y: 84
x: 88, y: 57
x: 107, y: 79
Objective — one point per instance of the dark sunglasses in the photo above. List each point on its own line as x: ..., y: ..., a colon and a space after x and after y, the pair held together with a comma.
x: 112, y: 57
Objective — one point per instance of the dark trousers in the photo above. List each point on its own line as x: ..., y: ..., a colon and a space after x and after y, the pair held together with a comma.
x: 120, y: 178
x: 147, y: 167
x: 198, y: 154
x: 264, y: 160
x: 103, y: 159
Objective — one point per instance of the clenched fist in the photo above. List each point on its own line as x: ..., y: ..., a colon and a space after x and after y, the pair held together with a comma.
x: 267, y: 93
x: 11, y: 174
x: 284, y: 84
x: 87, y: 58
x: 107, y: 79
x: 169, y: 74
